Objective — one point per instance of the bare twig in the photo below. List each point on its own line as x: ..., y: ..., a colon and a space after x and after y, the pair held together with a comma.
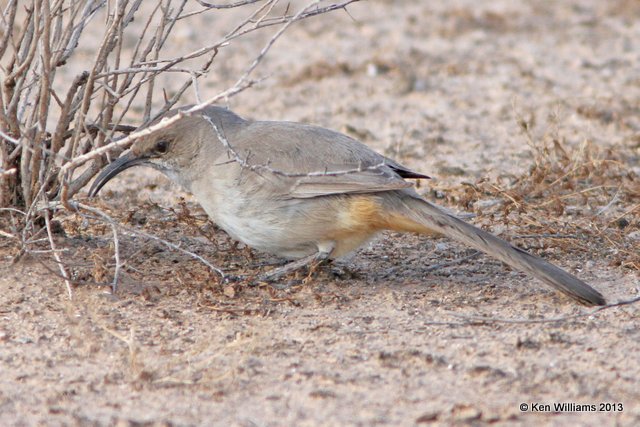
x: 116, y: 243
x: 8, y: 235
x: 7, y: 172
x: 56, y: 255
x: 173, y: 246
x: 208, y: 5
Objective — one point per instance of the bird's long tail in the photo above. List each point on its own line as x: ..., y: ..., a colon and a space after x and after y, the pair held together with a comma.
x: 417, y: 215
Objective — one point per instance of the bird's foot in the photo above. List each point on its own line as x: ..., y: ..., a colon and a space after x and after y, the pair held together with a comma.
x: 313, y: 261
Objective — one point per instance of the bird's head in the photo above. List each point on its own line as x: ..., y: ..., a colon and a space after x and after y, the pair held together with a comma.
x: 172, y: 149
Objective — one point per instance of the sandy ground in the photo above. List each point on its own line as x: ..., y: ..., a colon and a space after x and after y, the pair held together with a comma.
x: 382, y: 338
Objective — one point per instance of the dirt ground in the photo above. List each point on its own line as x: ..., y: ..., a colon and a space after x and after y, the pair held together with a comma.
x: 527, y: 114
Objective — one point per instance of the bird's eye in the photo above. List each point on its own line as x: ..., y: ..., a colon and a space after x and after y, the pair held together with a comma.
x: 162, y: 146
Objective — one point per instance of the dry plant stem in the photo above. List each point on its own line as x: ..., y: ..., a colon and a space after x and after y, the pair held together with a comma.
x: 27, y: 57
x: 629, y: 211
x: 46, y: 206
x: 176, y: 248
x: 208, y: 5
x: 28, y: 232
x: 260, y: 23
x: 170, y: 64
x: 63, y: 269
x: 76, y: 206
x: 116, y: 244
x: 113, y: 39
x: 45, y: 97
x: 7, y: 172
x: 125, y: 86
x: 43, y: 31
x: 106, y: 46
x: 134, y: 365
x: 7, y: 235
x: 66, y: 115
x: 110, y: 96
x: 608, y: 206
x: 8, y: 20
x: 158, y: 40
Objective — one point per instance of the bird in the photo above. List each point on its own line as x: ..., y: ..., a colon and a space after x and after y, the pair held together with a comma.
x: 306, y: 193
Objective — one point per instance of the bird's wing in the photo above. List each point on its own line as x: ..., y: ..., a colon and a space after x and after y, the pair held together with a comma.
x: 310, y: 161
x: 359, y: 182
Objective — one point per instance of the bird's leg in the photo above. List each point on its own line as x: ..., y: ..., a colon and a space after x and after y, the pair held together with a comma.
x: 318, y: 257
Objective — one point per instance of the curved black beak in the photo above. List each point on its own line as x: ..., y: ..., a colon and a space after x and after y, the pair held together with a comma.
x: 114, y: 168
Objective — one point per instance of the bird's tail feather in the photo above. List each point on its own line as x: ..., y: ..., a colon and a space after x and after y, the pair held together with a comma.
x: 421, y: 216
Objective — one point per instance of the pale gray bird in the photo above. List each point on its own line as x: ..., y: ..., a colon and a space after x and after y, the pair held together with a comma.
x: 307, y: 193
